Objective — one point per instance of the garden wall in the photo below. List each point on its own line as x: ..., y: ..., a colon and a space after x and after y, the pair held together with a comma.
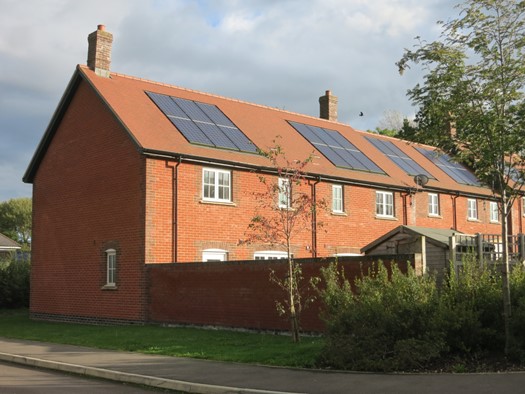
x: 238, y: 294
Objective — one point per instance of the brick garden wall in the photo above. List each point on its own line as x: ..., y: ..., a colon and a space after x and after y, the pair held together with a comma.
x: 237, y: 294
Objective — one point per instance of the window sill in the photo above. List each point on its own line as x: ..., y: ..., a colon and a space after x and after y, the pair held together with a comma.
x: 435, y: 216
x: 473, y: 220
x: 211, y: 202
x: 339, y: 213
x: 494, y: 222
x: 109, y: 287
x: 393, y: 218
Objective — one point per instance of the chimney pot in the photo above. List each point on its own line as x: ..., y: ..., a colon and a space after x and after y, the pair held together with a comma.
x: 99, y: 51
x: 328, y: 106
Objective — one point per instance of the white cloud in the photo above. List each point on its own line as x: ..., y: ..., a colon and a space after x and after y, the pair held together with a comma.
x: 281, y: 53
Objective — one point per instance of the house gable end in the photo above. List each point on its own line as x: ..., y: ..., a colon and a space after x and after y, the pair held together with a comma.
x: 56, y: 120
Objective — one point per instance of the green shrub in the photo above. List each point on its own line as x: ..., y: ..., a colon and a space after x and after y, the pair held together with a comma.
x: 472, y: 310
x: 390, y: 324
x: 396, y: 321
x: 14, y: 284
x: 517, y: 291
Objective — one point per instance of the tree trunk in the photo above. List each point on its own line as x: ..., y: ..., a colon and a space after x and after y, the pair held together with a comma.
x: 507, y: 313
x: 291, y: 290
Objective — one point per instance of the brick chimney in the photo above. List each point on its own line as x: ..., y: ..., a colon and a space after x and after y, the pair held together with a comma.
x: 328, y: 106
x: 99, y: 51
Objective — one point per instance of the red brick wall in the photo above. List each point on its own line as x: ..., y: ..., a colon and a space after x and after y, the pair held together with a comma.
x: 202, y: 225
x: 236, y: 294
x: 88, y: 197
x: 445, y: 220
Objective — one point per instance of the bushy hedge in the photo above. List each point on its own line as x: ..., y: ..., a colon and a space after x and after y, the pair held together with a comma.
x: 396, y: 321
x: 14, y: 284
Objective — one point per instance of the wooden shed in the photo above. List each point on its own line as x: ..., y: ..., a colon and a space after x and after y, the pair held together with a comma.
x: 431, y: 243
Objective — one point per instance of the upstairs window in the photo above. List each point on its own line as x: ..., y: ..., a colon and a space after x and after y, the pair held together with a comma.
x: 494, y: 212
x: 337, y: 199
x: 472, y: 209
x: 216, y: 185
x: 433, y: 204
x: 285, y: 194
x: 385, y: 204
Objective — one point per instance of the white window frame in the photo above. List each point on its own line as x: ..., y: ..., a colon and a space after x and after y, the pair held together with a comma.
x: 494, y: 212
x: 523, y: 206
x: 270, y: 255
x: 111, y: 267
x: 284, y: 198
x: 214, y: 255
x: 337, y: 199
x: 472, y: 209
x: 385, y: 204
x: 433, y: 204
x: 212, y: 188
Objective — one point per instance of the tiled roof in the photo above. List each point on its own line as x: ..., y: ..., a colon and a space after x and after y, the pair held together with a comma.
x: 153, y: 132
x: 440, y: 237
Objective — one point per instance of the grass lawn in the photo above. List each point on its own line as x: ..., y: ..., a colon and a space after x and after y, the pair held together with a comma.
x: 219, y: 345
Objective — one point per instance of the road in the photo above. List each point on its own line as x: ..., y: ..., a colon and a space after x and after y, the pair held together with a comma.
x: 17, y: 379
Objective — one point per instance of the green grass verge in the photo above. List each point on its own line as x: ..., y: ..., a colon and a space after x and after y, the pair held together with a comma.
x: 221, y: 345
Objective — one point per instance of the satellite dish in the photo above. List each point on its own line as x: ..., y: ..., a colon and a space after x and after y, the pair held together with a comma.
x: 421, y: 180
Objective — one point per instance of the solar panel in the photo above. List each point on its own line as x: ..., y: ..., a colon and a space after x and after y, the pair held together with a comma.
x: 455, y: 170
x: 215, y: 115
x: 191, y: 110
x: 399, y: 157
x: 216, y: 135
x: 202, y: 124
x: 191, y: 131
x: 239, y: 139
x: 336, y: 148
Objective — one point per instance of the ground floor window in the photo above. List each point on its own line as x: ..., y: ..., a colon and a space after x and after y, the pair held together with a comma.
x: 270, y: 255
x: 214, y: 255
x: 111, y: 267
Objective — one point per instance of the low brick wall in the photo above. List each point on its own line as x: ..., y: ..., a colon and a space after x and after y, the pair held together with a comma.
x: 238, y: 294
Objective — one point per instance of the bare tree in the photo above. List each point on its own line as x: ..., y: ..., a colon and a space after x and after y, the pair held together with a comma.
x: 284, y: 211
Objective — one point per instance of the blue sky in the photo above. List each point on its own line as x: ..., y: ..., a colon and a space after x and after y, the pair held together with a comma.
x: 280, y: 53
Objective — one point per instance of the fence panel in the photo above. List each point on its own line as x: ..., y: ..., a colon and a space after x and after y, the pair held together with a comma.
x: 486, y: 247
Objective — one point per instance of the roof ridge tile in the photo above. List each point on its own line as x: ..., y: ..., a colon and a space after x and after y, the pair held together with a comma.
x: 149, y: 81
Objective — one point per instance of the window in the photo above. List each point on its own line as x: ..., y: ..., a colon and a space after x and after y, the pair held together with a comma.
x: 433, y: 204
x: 111, y: 267
x: 214, y: 255
x: 523, y: 206
x: 337, y: 199
x: 472, y: 209
x: 216, y: 185
x: 270, y: 255
x: 285, y: 193
x: 494, y: 212
x: 385, y: 204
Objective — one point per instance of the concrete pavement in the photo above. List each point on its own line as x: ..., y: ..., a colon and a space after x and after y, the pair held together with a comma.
x: 201, y: 376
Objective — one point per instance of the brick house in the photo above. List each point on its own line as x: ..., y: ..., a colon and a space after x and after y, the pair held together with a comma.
x: 132, y: 172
